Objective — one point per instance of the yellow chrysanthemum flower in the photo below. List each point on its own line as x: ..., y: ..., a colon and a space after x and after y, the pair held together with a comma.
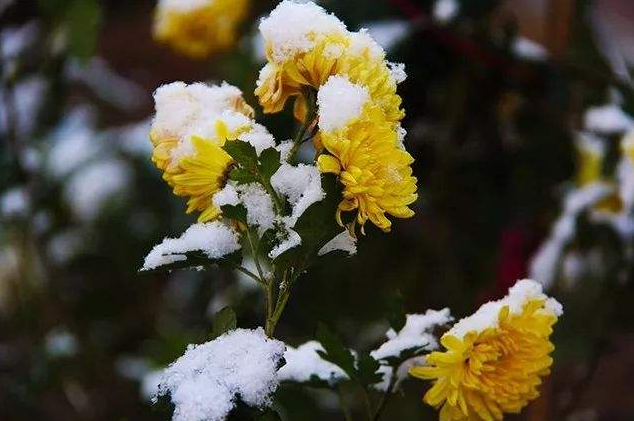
x: 364, y: 151
x: 590, y: 154
x: 590, y: 160
x: 494, y: 360
x: 192, y: 124
x: 198, y: 28
x: 310, y: 47
x: 203, y: 173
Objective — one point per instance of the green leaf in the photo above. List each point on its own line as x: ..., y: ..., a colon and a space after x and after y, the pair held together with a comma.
x: 405, y: 355
x: 316, y: 227
x: 242, y: 176
x: 269, y: 163
x: 224, y: 321
x: 270, y: 415
x: 335, y: 351
x: 237, y: 212
x: 244, y: 154
x: 367, y: 370
x: 82, y: 19
x: 396, y: 312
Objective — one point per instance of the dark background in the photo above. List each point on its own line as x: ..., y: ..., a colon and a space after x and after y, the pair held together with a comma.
x: 492, y: 136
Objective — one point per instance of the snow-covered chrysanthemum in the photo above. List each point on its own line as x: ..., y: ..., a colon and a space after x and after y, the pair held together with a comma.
x: 305, y: 46
x: 191, y: 125
x: 495, y: 359
x: 363, y: 150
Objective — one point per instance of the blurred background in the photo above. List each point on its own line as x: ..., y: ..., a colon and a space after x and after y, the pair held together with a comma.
x: 497, y: 97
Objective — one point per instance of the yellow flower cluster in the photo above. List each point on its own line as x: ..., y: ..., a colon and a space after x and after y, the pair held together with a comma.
x: 305, y: 48
x: 198, y: 28
x: 191, y: 126
x: 495, y: 359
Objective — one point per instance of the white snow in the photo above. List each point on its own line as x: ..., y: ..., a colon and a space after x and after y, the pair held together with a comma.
x: 150, y: 384
x: 15, y: 39
x: 487, y: 315
x: 417, y: 333
x: 15, y: 202
x: 544, y: 265
x: 74, y: 142
x: 361, y: 42
x: 207, y: 129
x: 397, y: 70
x: 625, y: 177
x: 111, y: 87
x: 287, y: 240
x: 131, y: 139
x: 185, y: 110
x: 340, y: 102
x: 402, y: 373
x: 29, y: 94
x: 65, y: 245
x: 590, y: 143
x: 342, y: 241
x: 59, y: 343
x: 304, y: 362
x: 259, y: 137
x: 259, y: 205
x: 294, y: 27
x: 301, y: 185
x: 31, y: 159
x: 529, y: 49
x: 206, y: 381
x: 227, y: 196
x: 284, y: 148
x: 94, y: 185
x: 388, y: 33
x: 214, y: 239
x: 254, y: 198
x: 445, y: 10
x: 607, y: 119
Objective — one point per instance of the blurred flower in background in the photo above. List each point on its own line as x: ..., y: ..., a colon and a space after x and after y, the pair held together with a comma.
x: 198, y: 28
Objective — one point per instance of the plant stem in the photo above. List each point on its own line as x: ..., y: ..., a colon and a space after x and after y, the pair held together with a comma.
x: 275, y: 312
x: 277, y: 202
x: 250, y: 274
x: 256, y: 257
x: 269, y: 327
x: 309, y: 96
x: 342, y: 403
x: 368, y: 404
x: 386, y: 396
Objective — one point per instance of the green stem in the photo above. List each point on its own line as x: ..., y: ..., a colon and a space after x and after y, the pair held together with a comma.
x: 386, y: 395
x: 275, y: 312
x: 250, y: 274
x: 256, y: 256
x: 309, y: 96
x: 368, y: 404
x: 277, y: 202
x: 269, y: 327
x: 342, y: 402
